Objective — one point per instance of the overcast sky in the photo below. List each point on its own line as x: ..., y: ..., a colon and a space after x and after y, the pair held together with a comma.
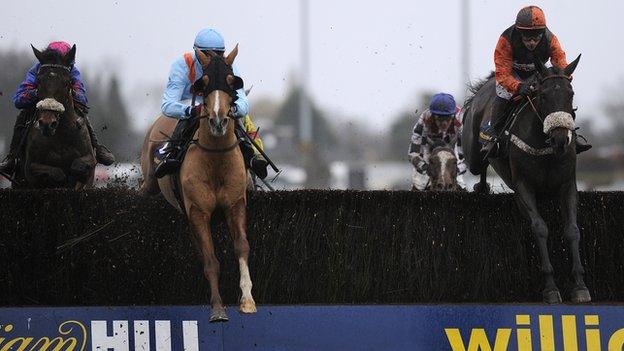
x: 368, y: 58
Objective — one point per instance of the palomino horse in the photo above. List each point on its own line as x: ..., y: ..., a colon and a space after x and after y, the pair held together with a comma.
x: 442, y: 170
x: 541, y: 159
x: 212, y: 175
x: 58, y: 151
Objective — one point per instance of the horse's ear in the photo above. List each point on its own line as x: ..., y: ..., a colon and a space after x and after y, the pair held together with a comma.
x: 202, y: 58
x: 38, y: 54
x: 572, y: 66
x: 232, y: 56
x: 235, y: 82
x: 70, y: 57
x: 199, y: 85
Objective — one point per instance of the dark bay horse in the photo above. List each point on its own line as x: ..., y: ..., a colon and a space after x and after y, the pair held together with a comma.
x: 212, y: 176
x: 541, y: 159
x: 58, y: 151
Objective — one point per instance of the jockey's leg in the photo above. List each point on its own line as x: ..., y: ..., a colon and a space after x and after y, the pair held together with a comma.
x: 253, y: 157
x: 581, y: 144
x: 102, y: 154
x: 174, y: 148
x: 497, y: 122
x: 19, y: 130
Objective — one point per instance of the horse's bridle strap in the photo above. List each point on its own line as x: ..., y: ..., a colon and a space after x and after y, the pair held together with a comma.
x: 217, y: 151
x: 55, y: 66
x: 556, y: 76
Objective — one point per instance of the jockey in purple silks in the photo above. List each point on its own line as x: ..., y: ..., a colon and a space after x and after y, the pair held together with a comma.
x: 26, y: 98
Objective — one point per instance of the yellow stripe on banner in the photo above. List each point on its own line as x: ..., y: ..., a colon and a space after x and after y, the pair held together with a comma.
x: 547, y: 333
x: 569, y: 333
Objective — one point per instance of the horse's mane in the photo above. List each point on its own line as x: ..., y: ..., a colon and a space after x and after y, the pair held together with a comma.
x: 475, y: 87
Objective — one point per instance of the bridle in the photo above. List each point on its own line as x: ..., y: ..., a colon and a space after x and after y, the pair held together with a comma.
x: 530, y: 99
x: 208, y: 90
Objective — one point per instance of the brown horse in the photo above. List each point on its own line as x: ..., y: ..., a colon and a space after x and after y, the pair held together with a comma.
x: 58, y: 151
x: 212, y: 175
x: 442, y: 170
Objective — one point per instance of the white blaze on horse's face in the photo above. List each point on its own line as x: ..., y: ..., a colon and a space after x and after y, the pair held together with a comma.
x: 445, y: 158
x: 218, y: 119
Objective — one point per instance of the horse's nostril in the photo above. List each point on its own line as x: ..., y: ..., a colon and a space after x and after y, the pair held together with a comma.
x: 53, y: 125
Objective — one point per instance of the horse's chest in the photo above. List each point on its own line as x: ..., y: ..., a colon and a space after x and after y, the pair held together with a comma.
x: 545, y: 173
x: 57, y: 152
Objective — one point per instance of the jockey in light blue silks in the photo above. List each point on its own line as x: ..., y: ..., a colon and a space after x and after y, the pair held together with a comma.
x: 184, y: 71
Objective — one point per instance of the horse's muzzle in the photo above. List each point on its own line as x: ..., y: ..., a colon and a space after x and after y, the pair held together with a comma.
x: 218, y: 126
x: 47, y: 129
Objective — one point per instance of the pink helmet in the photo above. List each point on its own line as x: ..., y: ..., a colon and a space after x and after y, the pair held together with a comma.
x: 59, y: 46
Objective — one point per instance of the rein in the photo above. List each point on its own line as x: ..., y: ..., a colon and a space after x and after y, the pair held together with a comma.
x: 54, y: 65
x: 216, y: 150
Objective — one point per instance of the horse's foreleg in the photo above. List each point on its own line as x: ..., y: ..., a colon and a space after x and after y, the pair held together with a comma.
x: 43, y: 173
x: 199, y: 222
x: 237, y: 225
x: 569, y: 206
x: 82, y: 167
x: 525, y: 198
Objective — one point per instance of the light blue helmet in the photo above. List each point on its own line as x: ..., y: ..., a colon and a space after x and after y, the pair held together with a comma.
x: 209, y: 39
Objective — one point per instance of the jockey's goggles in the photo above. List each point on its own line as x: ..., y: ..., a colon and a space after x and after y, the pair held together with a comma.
x: 532, y: 35
x: 442, y: 117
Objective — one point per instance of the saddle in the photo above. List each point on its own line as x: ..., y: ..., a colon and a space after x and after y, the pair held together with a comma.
x: 512, y: 110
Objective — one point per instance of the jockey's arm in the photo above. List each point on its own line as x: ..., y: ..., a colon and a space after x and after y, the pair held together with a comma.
x: 417, y: 150
x: 242, y: 104
x: 503, y: 61
x: 26, y: 94
x: 80, y: 92
x: 177, y: 82
x: 557, y: 55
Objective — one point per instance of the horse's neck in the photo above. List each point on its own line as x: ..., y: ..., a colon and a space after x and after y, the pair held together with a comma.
x: 69, y: 116
x: 206, y: 139
x: 529, y: 127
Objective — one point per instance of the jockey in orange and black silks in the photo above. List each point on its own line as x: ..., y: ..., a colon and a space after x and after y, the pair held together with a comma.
x: 182, y: 75
x: 527, y: 41
x: 439, y: 121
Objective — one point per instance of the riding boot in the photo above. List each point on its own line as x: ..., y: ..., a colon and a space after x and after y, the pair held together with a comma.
x: 497, y: 121
x: 174, y: 148
x: 7, y: 166
x: 581, y: 144
x: 102, y: 154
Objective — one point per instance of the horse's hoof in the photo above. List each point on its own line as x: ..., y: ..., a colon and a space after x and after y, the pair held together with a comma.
x: 248, y: 306
x: 580, y: 295
x: 552, y: 297
x: 218, y: 315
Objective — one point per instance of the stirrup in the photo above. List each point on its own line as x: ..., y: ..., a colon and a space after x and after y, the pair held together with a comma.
x: 168, y: 166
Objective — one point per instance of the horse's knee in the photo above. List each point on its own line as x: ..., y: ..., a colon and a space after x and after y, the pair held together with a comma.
x: 80, y: 168
x: 53, y: 174
x: 540, y: 229
x: 211, y: 265
x: 241, y: 246
x: 572, y: 233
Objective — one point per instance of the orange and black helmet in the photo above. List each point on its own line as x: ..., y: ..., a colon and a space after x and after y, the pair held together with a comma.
x: 531, y: 18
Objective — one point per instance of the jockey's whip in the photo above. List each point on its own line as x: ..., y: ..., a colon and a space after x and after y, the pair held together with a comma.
x: 253, y: 142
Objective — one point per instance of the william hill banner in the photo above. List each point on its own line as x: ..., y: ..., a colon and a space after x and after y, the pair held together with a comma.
x: 411, y: 327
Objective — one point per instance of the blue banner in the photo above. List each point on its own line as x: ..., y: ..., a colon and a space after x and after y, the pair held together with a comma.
x: 395, y: 327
